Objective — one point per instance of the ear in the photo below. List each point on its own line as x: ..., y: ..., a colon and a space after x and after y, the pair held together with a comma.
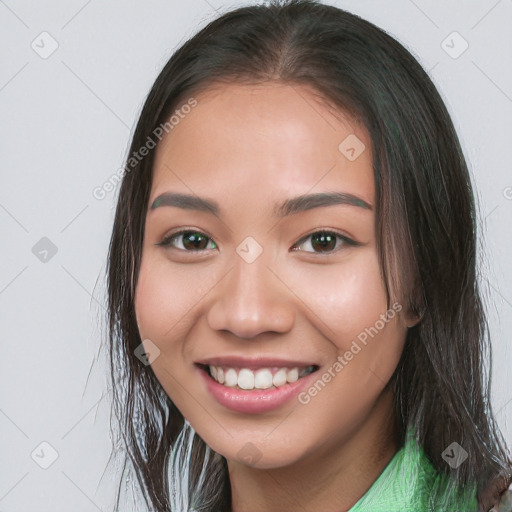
x: 413, y: 322
x: 413, y: 315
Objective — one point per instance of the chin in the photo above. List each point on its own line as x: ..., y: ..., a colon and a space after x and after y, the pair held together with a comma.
x: 251, y: 453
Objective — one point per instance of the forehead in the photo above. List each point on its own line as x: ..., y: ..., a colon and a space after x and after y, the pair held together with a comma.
x: 264, y: 142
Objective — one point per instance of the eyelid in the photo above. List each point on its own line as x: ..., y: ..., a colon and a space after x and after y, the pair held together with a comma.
x: 345, y: 238
x: 165, y: 242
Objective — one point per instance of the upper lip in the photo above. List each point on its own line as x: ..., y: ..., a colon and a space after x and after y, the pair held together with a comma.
x: 254, y: 363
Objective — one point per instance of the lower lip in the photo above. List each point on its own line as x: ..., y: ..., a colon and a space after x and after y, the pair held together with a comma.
x: 254, y: 401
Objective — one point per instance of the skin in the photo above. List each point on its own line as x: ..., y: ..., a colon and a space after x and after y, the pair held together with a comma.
x: 249, y: 147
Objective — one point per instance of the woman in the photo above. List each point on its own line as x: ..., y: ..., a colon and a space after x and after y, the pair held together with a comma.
x: 295, y: 319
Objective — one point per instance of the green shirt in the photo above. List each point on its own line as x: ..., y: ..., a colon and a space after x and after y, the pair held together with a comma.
x: 406, y: 485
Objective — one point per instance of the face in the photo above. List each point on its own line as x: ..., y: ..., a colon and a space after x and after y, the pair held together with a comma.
x: 257, y: 283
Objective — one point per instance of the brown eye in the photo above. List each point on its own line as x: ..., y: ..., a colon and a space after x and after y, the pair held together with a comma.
x: 188, y: 241
x: 324, y: 242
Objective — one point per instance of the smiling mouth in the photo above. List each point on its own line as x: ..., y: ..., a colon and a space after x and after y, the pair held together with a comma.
x: 262, y: 378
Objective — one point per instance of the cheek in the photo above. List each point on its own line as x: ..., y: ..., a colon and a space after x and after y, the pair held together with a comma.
x: 166, y: 294
x: 150, y: 300
x: 346, y: 297
x: 348, y: 306
x: 366, y: 339
x: 165, y: 299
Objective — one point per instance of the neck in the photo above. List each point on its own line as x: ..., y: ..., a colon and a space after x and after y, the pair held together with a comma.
x: 331, y: 480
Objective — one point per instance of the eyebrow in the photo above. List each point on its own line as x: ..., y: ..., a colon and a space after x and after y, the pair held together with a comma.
x: 289, y: 207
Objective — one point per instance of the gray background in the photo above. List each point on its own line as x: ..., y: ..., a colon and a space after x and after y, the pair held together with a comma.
x: 67, y: 121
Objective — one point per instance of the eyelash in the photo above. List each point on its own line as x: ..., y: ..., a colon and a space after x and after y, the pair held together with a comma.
x: 167, y: 241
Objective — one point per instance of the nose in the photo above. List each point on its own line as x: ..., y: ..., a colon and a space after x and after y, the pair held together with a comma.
x: 252, y: 300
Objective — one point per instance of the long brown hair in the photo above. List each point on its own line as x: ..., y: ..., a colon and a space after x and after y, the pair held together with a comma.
x: 425, y: 225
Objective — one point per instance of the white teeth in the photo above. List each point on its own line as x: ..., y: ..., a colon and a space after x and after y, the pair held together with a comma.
x: 263, y: 378
x: 292, y: 375
x: 230, y: 378
x: 246, y: 379
x: 279, y: 379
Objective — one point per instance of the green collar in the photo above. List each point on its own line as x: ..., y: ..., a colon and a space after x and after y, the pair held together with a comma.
x: 407, y: 484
